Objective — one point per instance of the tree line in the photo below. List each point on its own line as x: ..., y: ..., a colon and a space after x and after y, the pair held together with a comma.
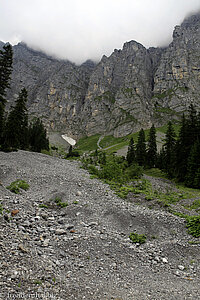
x: 16, y: 132
x: 179, y: 157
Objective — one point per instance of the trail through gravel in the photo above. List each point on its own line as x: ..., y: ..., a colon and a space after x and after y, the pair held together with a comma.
x: 83, y: 251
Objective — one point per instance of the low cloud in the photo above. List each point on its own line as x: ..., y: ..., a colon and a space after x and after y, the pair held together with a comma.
x: 79, y: 30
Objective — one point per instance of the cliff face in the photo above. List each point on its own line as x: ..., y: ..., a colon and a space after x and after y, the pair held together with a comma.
x: 177, y: 78
x: 132, y: 88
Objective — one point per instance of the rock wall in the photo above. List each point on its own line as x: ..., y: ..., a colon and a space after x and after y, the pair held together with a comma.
x: 132, y: 88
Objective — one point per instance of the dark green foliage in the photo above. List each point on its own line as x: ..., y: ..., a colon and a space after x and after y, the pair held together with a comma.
x: 193, y: 225
x: 72, y: 153
x: 182, y: 151
x: 141, y: 149
x: 152, y: 148
x: 180, y: 158
x: 59, y: 202
x: 131, y: 152
x: 169, y: 150
x: 111, y: 167
x: 37, y: 136
x: 193, y: 166
x: 137, y: 238
x: 16, y: 132
x: 15, y: 186
x: 6, y: 56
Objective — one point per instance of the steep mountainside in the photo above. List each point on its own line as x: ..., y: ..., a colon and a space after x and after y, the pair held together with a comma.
x: 132, y: 88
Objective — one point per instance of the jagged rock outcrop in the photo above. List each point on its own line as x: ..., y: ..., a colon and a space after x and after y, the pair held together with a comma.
x: 177, y: 78
x: 118, y: 92
x: 132, y: 88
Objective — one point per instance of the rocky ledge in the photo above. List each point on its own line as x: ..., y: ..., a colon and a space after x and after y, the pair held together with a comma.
x: 81, y: 249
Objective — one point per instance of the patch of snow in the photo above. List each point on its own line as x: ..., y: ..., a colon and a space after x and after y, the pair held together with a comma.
x: 71, y: 141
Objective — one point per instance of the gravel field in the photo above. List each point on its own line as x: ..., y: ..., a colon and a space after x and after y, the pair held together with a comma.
x: 83, y: 250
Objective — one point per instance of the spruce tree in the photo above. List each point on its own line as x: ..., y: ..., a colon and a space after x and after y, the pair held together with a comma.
x: 169, y: 150
x: 193, y: 166
x: 141, y: 149
x: 152, y: 148
x: 6, y: 57
x: 16, y: 132
x: 182, y: 150
x: 131, y: 152
x: 37, y: 136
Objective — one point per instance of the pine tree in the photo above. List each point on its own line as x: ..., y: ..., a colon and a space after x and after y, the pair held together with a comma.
x: 141, y: 149
x: 192, y: 125
x: 152, y: 148
x: 6, y: 57
x: 182, y: 150
x: 169, y: 150
x: 16, y: 132
x: 37, y: 136
x: 131, y: 152
x: 193, y: 166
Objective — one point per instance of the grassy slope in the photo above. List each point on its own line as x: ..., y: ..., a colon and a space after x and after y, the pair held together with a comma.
x: 111, y: 144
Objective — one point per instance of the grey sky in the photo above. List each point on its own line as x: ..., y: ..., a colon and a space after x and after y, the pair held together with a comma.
x: 82, y: 29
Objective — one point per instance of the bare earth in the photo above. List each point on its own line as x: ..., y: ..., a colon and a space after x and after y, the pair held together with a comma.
x: 83, y: 251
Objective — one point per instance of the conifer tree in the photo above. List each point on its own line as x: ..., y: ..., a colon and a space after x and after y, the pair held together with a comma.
x: 141, y: 149
x: 169, y: 150
x: 6, y: 56
x: 193, y: 166
x: 152, y: 148
x: 37, y: 136
x: 131, y: 152
x: 16, y: 132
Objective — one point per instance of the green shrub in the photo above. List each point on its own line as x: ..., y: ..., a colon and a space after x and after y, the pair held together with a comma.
x: 43, y: 205
x: 15, y: 186
x: 111, y: 171
x: 59, y: 202
x: 193, y: 225
x: 1, y: 209
x: 137, y: 238
x: 134, y: 171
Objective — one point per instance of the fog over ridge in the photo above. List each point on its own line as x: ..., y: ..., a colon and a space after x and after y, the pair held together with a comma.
x: 79, y: 30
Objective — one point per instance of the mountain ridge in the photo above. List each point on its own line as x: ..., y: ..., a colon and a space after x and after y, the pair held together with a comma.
x: 132, y: 88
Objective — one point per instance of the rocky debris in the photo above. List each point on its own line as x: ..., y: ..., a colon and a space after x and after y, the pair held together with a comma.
x: 132, y: 88
x: 83, y: 251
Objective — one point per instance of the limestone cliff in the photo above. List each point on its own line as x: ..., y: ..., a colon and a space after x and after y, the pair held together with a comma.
x: 132, y: 88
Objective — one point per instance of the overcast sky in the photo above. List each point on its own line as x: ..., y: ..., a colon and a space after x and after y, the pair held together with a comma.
x: 82, y: 29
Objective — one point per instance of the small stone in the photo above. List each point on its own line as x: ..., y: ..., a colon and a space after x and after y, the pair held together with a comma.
x: 92, y: 224
x: 69, y: 226
x: 181, y: 267
x: 164, y: 260
x: 14, y: 212
x: 60, y: 231
x: 46, y: 243
x: 21, y: 247
x: 78, y: 193
x: 177, y: 273
x: 157, y: 258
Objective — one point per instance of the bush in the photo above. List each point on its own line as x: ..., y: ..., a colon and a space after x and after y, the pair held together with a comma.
x: 134, y: 171
x: 17, y: 185
x: 59, y: 202
x: 111, y: 171
x: 137, y: 238
x: 193, y: 225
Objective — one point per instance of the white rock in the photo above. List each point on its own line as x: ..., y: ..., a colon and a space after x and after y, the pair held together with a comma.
x: 60, y: 231
x: 165, y: 260
x: 78, y: 193
x: 181, y: 267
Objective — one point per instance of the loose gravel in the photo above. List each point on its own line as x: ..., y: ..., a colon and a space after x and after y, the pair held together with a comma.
x: 83, y: 250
